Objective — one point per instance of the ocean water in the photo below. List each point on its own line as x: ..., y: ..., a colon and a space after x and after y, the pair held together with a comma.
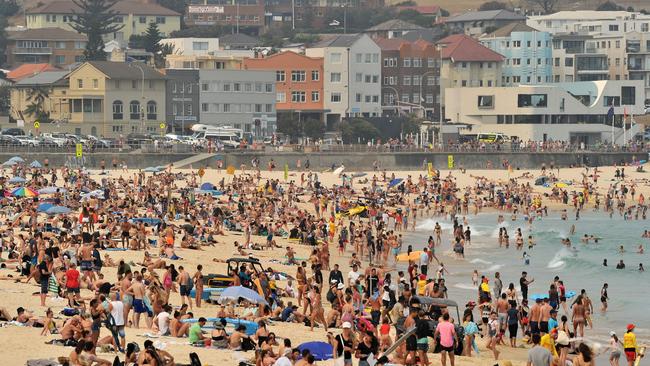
x: 580, y: 267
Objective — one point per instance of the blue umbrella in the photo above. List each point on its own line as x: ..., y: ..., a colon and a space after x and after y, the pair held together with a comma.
x: 17, y: 159
x: 35, y: 164
x: 17, y: 179
x: 10, y: 163
x: 151, y: 169
x: 43, y: 207
x: 55, y: 210
x: 52, y: 190
x: 320, y: 350
x: 207, y: 186
x: 395, y: 182
x: 234, y: 293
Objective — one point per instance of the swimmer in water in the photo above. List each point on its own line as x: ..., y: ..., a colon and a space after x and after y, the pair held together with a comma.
x: 641, y: 269
x: 621, y: 249
x: 604, y: 262
x: 573, y: 230
x: 641, y: 250
x: 526, y: 259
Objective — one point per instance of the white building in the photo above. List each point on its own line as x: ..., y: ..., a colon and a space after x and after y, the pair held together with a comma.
x: 191, y: 46
x: 586, y: 21
x: 576, y: 112
x: 352, y: 81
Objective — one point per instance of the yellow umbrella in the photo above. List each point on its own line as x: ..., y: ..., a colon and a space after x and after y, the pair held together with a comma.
x: 405, y: 257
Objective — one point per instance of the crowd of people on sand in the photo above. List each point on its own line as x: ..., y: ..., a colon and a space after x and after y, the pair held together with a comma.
x: 370, y: 307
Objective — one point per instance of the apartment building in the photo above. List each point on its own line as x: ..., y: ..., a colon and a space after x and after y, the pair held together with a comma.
x: 637, y: 45
x: 394, y: 28
x: 298, y: 82
x: 52, y: 83
x: 467, y: 63
x: 226, y: 13
x: 410, y: 77
x: 191, y: 46
x: 54, y: 46
x: 135, y: 17
x: 588, y: 57
x: 352, y: 73
x: 588, y: 21
x: 576, y: 112
x: 243, y: 99
x: 527, y: 52
x: 475, y: 23
x: 213, y: 60
x: 182, y: 104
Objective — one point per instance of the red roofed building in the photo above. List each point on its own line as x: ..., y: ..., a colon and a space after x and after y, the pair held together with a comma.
x: 467, y: 63
x: 28, y: 70
x: 410, y: 76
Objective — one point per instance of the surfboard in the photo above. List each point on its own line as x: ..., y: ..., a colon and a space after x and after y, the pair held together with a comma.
x: 398, y: 342
x: 339, y: 170
x: 569, y: 294
x: 639, y: 356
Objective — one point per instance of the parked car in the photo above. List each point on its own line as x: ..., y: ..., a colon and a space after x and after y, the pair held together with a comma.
x: 48, y: 139
x: 135, y: 140
x: 13, y: 131
x: 8, y: 140
x: 100, y: 143
x: 27, y: 140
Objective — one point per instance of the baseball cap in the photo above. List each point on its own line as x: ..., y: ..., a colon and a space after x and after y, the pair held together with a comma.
x: 346, y: 325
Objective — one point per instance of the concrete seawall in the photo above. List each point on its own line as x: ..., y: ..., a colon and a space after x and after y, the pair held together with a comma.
x: 353, y: 161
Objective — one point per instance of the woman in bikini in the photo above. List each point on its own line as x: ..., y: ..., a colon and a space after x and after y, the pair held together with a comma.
x: 317, y: 312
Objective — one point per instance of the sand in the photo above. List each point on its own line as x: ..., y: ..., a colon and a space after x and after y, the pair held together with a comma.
x: 26, y: 343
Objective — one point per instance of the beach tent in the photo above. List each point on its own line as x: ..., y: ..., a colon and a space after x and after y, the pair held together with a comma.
x: 151, y: 169
x: 320, y: 350
x: 234, y: 293
x: 43, y: 207
x: 52, y: 190
x: 9, y: 163
x: 395, y: 182
x: 17, y: 159
x: 540, y: 181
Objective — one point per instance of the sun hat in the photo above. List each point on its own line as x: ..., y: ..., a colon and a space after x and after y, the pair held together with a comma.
x: 346, y: 325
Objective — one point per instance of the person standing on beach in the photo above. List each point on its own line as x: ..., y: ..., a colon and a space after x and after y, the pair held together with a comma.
x: 604, y: 297
x: 538, y: 355
x: 424, y: 261
x: 498, y: 285
x: 184, y: 286
x: 44, y: 271
x: 523, y: 284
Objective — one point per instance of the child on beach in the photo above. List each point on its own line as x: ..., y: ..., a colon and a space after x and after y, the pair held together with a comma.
x: 526, y: 258
x: 475, y: 278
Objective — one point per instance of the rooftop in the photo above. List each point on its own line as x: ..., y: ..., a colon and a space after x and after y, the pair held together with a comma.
x: 473, y: 16
x: 506, y: 30
x: 238, y: 40
x: 460, y: 47
x: 343, y: 40
x: 43, y: 78
x: 126, y: 70
x: 589, y: 15
x: 27, y: 70
x: 46, y: 34
x: 123, y: 7
x: 394, y: 24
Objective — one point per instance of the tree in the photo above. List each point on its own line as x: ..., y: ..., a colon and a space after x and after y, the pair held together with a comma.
x: 5, y: 100
x: 493, y: 5
x: 288, y: 124
x: 547, y: 6
x: 313, y: 128
x: 3, y: 39
x: 358, y: 130
x: 411, y: 125
x: 151, y: 43
x: 37, y: 97
x: 96, y: 19
x: 8, y: 8
x: 609, y: 6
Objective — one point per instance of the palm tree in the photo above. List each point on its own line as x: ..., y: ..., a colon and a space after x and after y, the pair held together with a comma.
x: 37, y: 96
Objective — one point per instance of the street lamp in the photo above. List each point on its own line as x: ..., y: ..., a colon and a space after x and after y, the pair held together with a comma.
x: 142, y: 104
x: 440, y: 47
x: 421, y: 98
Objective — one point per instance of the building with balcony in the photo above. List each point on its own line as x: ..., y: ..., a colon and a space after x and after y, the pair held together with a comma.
x: 590, y: 21
x: 113, y: 98
x: 182, y: 99
x: 410, y: 77
x: 394, y: 28
x: 243, y: 99
x: 214, y: 60
x: 638, y: 59
x: 226, y: 13
x: 475, y: 23
x: 575, y: 112
x: 298, y: 83
x: 527, y: 54
x: 54, y: 46
x: 191, y: 46
x: 588, y: 57
x: 352, y: 73
x: 135, y: 17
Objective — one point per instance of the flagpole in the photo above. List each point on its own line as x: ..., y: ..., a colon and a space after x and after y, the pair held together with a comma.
x: 612, y: 130
x: 624, y: 118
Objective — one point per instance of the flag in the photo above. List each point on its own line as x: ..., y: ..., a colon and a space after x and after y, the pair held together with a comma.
x: 610, y: 112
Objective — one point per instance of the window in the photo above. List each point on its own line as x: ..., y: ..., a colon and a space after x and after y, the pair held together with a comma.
x: 613, y: 27
x: 407, y: 62
x: 160, y: 20
x: 298, y: 75
x: 226, y: 108
x: 368, y: 78
x: 134, y: 84
x: 268, y: 108
x: 258, y: 87
x: 375, y: 98
x: 335, y: 77
x: 358, y: 77
x: 298, y: 97
x: 568, y: 62
x: 358, y: 57
x: 405, y: 98
x: 335, y: 58
x: 516, y: 44
x: 315, y: 96
x: 416, y: 80
x: 335, y: 98
x: 557, y: 62
x: 368, y: 98
x: 611, y: 101
x: 532, y: 100
x: 375, y: 58
x: 143, y: 20
x: 118, y: 110
x: 268, y: 88
x: 200, y: 46
x: 375, y: 79
x: 95, y: 83
x: 226, y: 87
x: 59, y: 44
x: 486, y: 101
x: 431, y: 62
x: 152, y: 110
x: 279, y: 75
x: 417, y: 62
x: 204, y: 107
x: 618, y: 44
x: 368, y: 58
x: 429, y: 98
x: 80, y: 83
x: 134, y: 110
x: 516, y: 61
x: 357, y: 98
x: 258, y: 108
x: 644, y: 27
x: 315, y: 75
x: 59, y: 59
x: 280, y: 97
x: 618, y: 61
x: 416, y: 98
x: 628, y: 95
x: 406, y: 80
x: 119, y: 19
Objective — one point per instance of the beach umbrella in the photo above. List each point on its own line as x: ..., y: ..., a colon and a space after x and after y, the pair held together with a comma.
x: 151, y: 169
x: 161, y: 167
x: 52, y: 190
x: 359, y: 174
x: 405, y: 257
x: 9, y: 163
x: 35, y: 164
x: 207, y: 186
x: 234, y: 293
x: 561, y: 185
x: 43, y: 207
x: 395, y: 182
x: 17, y: 159
x: 24, y: 192
x: 17, y: 179
x: 55, y: 210
x: 320, y: 350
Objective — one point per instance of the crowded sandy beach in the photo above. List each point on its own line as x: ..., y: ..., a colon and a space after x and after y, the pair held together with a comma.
x: 268, y: 267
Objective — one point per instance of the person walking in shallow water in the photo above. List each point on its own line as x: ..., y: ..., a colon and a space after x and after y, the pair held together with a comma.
x: 604, y: 297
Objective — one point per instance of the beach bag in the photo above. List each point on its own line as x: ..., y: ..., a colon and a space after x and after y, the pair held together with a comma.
x: 194, y: 359
x: 70, y: 311
x: 247, y: 344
